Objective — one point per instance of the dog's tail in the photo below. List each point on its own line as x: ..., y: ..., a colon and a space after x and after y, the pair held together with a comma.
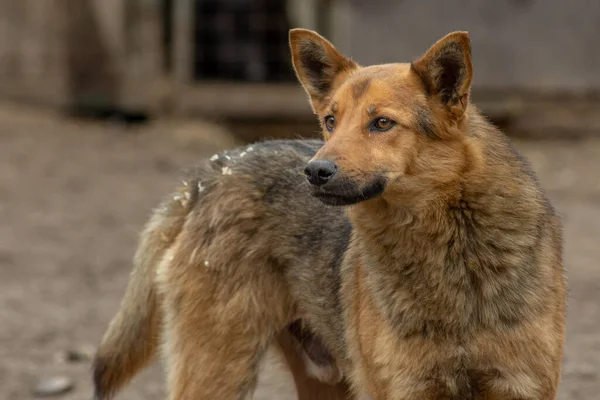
x: 132, y: 338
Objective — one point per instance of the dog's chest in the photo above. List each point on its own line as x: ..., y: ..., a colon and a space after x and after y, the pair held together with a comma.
x: 386, y: 365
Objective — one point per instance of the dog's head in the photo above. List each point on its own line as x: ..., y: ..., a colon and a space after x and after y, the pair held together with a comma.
x: 389, y: 129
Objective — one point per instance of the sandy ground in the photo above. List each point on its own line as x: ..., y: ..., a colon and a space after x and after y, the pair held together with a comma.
x: 74, y: 195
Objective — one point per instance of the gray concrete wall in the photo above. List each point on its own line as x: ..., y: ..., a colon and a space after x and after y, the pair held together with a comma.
x: 531, y: 45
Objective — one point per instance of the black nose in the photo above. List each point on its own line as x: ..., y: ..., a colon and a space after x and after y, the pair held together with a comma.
x: 318, y: 172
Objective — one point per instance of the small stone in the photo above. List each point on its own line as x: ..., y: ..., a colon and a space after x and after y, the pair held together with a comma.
x: 206, y: 263
x: 53, y: 386
x: 214, y: 157
x: 200, y: 187
x: 84, y: 353
x: 226, y: 171
x: 227, y: 157
x: 250, y: 148
x: 242, y: 154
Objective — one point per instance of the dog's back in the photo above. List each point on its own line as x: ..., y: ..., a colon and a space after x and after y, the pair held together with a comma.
x: 245, y: 218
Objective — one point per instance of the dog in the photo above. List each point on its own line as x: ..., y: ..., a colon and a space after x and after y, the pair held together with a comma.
x: 413, y: 247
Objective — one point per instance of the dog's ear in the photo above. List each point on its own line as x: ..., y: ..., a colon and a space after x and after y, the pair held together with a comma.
x: 317, y: 64
x: 446, y: 72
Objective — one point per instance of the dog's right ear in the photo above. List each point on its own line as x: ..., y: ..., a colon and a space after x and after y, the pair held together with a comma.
x: 317, y: 64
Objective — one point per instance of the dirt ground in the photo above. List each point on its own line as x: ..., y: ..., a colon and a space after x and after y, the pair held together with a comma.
x: 74, y: 195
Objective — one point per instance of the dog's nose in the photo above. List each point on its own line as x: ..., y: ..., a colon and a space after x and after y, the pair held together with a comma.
x: 318, y: 172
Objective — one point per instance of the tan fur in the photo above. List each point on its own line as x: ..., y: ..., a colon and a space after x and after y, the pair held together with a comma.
x: 194, y: 337
x: 442, y: 278
x: 435, y: 187
x: 133, y: 336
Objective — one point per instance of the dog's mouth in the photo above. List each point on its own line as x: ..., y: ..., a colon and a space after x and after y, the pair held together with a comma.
x: 345, y: 192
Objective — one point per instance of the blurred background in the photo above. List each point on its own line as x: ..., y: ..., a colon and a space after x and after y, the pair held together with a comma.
x: 103, y: 102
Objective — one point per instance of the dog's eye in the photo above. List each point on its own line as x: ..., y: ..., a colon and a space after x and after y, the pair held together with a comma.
x: 329, y: 122
x: 382, y: 124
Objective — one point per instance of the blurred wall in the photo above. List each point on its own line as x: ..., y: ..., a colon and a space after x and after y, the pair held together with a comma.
x: 113, y: 53
x: 93, y: 52
x: 530, y: 45
x: 32, y: 62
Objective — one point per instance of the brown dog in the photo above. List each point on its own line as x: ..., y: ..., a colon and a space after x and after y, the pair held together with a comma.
x: 441, y: 278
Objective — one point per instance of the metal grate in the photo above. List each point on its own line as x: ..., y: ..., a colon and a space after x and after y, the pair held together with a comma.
x: 241, y: 40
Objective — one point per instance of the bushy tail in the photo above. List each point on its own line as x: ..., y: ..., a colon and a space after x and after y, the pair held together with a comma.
x: 132, y: 338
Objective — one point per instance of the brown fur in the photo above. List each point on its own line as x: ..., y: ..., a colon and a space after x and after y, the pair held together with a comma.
x: 136, y: 327
x: 442, y: 279
x: 456, y: 267
x: 200, y: 280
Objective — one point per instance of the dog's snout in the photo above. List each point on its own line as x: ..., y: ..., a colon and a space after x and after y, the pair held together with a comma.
x: 318, y: 172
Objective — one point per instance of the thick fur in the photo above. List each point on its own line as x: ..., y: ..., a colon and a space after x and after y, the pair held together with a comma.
x: 442, y: 278
x: 219, y: 224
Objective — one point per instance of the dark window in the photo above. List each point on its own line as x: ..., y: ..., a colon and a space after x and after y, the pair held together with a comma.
x: 241, y: 40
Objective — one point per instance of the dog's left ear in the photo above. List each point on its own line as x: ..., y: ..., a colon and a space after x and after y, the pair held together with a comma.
x: 446, y: 72
x: 317, y: 64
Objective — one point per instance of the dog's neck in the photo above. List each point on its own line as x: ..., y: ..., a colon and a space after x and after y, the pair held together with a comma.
x: 452, y: 260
